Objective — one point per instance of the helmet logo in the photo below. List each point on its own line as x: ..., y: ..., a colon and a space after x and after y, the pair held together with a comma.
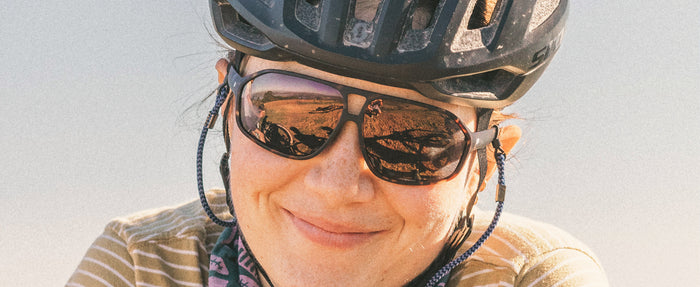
x: 540, y: 56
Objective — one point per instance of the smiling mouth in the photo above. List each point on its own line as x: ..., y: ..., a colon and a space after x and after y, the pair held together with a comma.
x: 330, y: 234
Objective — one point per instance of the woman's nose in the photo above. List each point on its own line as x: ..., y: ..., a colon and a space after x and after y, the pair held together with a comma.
x: 339, y: 174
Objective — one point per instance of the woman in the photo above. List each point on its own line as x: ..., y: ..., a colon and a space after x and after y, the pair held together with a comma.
x: 357, y: 139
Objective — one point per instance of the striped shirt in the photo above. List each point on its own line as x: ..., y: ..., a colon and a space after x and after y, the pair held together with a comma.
x: 171, y: 247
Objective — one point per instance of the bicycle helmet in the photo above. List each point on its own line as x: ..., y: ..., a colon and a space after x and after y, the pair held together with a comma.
x: 450, y: 59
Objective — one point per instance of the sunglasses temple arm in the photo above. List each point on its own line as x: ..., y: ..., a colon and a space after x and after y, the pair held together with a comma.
x: 483, y: 138
x: 233, y: 77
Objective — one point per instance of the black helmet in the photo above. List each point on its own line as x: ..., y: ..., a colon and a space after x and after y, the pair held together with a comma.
x: 450, y: 59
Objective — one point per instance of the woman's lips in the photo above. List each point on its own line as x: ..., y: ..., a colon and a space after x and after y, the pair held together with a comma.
x: 331, y: 234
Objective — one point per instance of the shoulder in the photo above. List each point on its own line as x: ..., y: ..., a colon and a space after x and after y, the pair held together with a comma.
x: 525, y: 252
x: 174, y: 222
x: 161, y: 247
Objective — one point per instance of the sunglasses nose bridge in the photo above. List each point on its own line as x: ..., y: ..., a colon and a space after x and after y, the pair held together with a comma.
x: 353, y: 113
x: 355, y: 103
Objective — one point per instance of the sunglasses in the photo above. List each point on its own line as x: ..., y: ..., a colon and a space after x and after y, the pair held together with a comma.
x: 402, y: 141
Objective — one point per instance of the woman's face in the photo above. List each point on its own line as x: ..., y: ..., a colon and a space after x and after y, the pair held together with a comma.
x: 328, y: 221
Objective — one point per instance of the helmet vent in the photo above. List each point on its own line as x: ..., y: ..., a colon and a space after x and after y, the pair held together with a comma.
x: 234, y: 24
x: 491, y: 85
x: 308, y: 13
x: 543, y: 9
x: 366, y: 10
x: 482, y: 13
x: 423, y: 14
x: 479, y: 30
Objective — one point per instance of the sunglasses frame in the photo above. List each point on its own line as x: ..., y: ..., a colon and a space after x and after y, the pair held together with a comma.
x: 475, y: 140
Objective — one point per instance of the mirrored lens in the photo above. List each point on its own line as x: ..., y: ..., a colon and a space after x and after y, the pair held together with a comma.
x: 410, y: 143
x: 291, y: 115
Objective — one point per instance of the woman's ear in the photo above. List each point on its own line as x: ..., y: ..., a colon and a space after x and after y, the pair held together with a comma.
x: 221, y: 68
x: 508, y: 136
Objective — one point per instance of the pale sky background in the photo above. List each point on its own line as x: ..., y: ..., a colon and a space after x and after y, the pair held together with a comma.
x: 93, y: 122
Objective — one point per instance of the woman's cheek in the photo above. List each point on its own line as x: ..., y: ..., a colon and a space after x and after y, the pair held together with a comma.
x: 257, y: 170
x: 430, y: 208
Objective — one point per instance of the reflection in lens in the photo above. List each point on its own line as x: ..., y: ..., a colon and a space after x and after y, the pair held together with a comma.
x: 288, y: 114
x: 412, y: 143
